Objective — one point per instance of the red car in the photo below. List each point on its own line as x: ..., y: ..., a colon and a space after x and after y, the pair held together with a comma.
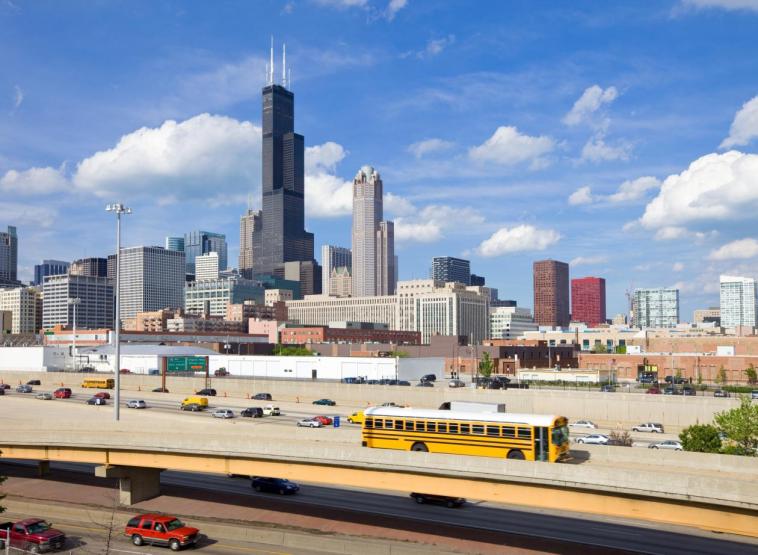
x: 653, y: 391
x: 102, y: 395
x: 125, y: 371
x: 325, y: 420
x: 165, y: 530
x: 62, y: 393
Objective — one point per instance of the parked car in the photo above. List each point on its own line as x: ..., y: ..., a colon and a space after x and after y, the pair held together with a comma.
x: 671, y: 390
x: 34, y: 382
x: 32, y: 535
x: 44, y: 396
x: 223, y: 413
x: 4, y: 386
x: 136, y: 404
x: 356, y: 418
x: 252, y: 412
x: 667, y: 444
x: 102, y: 394
x: 403, y: 382
x: 309, y: 423
x: 209, y: 391
x: 263, y: 397
x: 688, y: 391
x: 96, y: 401
x: 607, y: 388
x: 450, y: 502
x: 274, y: 485
x: 2, y: 391
x: 721, y: 393
x: 325, y: 402
x: 675, y: 379
x: 653, y: 391
x: 754, y: 394
x: 26, y: 388
x: 62, y: 393
x: 125, y: 371
x: 651, y: 427
x: 160, y: 390
x: 425, y: 384
x: 583, y: 424
x: 87, y: 369
x: 154, y: 529
x: 271, y: 410
x: 456, y: 383
x: 325, y: 420
x: 429, y: 378
x: 594, y: 439
x: 221, y: 372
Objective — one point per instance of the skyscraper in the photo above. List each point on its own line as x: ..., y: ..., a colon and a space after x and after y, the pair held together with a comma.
x: 588, y: 300
x: 49, y: 268
x: 207, y: 267
x: 448, y: 268
x: 655, y: 308
x: 738, y: 301
x: 198, y: 243
x: 9, y: 256
x: 551, y: 293
x: 250, y: 225
x: 374, y: 262
x: 93, y: 267
x: 151, y: 278
x: 175, y: 244
x: 96, y: 301
x: 333, y: 258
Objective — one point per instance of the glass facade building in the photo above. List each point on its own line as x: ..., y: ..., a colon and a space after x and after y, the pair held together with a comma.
x: 448, y: 268
x: 175, y: 244
x: 198, y: 243
x: 737, y: 301
x: 214, y: 296
x: 655, y: 308
x: 9, y: 256
x: 49, y: 268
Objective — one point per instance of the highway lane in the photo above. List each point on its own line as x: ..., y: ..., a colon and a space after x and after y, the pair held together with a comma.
x: 610, y: 533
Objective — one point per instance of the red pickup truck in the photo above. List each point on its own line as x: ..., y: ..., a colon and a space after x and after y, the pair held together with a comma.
x: 157, y: 529
x: 32, y: 534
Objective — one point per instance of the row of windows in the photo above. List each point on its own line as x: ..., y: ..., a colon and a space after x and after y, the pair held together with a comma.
x: 511, y: 432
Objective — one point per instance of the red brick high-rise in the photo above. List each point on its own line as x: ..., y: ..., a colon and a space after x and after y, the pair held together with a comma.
x: 551, y: 293
x: 588, y: 300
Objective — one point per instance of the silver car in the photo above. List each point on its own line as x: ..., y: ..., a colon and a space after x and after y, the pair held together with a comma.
x: 222, y: 413
x: 26, y: 388
x: 309, y: 423
x: 583, y: 424
x: 594, y: 439
x: 671, y: 444
x: 44, y: 396
x: 649, y: 427
x: 136, y: 404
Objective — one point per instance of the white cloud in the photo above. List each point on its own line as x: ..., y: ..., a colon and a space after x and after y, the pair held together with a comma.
x: 428, y: 146
x: 397, y: 205
x: 723, y: 4
x: 634, y: 189
x: 518, y: 239
x: 672, y: 233
x: 27, y: 214
x: 596, y: 150
x: 583, y: 195
x: 745, y: 125
x: 736, y: 250
x: 34, y: 181
x: 326, y: 194
x: 393, y: 7
x: 18, y: 97
x: 190, y: 158
x: 342, y: 4
x: 324, y: 158
x: 677, y: 267
x: 715, y: 187
x: 591, y: 100
x: 588, y: 260
x: 508, y: 147
x: 436, y: 46
x: 431, y: 223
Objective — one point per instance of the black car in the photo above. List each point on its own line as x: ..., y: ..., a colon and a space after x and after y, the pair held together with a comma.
x: 274, y: 485
x: 34, y: 382
x: 262, y: 397
x: 688, y: 391
x: 721, y: 393
x: 96, y: 401
x: 4, y: 386
x: 450, y: 502
x: 424, y: 384
x: 429, y: 378
x: 209, y: 392
x: 160, y: 390
x: 252, y: 412
x: 675, y: 379
x: 87, y: 369
x: 403, y: 382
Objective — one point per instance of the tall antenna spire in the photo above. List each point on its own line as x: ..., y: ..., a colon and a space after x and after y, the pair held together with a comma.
x: 271, y: 63
x: 284, y: 65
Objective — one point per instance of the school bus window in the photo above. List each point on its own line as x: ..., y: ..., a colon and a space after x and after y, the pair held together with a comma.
x: 453, y: 428
x: 442, y: 427
x: 524, y: 433
x: 493, y: 431
x: 379, y: 424
x: 477, y: 429
x: 409, y: 425
x: 431, y: 426
x: 509, y: 431
x: 369, y: 423
x: 464, y: 428
x: 420, y: 427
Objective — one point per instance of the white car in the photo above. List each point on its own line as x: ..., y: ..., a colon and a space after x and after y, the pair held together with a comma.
x: 136, y: 404
x: 668, y: 444
x: 583, y: 424
x: 594, y: 439
x: 456, y: 383
x: 222, y: 413
x: 271, y: 410
x: 309, y: 423
x: 649, y: 427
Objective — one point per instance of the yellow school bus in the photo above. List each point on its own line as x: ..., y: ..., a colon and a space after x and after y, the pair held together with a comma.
x: 99, y: 383
x: 530, y: 437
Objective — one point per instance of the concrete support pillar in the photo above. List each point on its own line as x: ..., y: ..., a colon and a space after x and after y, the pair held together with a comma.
x: 135, y: 483
x: 43, y: 468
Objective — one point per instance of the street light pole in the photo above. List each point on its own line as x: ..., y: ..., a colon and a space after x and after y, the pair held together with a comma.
x: 118, y: 209
x: 74, y: 302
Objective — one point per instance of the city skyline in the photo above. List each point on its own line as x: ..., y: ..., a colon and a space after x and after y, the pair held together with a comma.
x: 590, y: 140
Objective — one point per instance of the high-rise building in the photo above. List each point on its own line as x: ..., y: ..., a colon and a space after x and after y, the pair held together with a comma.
x: 374, y: 262
x: 476, y: 280
x: 93, y: 267
x: 151, y: 278
x: 25, y: 305
x: 198, y: 243
x: 332, y: 258
x: 250, y: 227
x: 737, y: 301
x: 655, y: 308
x: 510, y: 322
x: 175, y: 244
x: 49, y: 268
x: 207, y: 266
x: 9, y: 257
x: 340, y: 283
x: 551, y: 293
x: 448, y: 268
x: 306, y: 272
x: 212, y: 297
x: 94, y: 309
x: 588, y: 300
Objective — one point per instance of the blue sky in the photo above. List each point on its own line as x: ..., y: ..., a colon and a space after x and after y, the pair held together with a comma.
x: 620, y: 138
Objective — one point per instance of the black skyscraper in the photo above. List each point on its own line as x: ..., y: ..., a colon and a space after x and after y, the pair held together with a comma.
x: 283, y: 237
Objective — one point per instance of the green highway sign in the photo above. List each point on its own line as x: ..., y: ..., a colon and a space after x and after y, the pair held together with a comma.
x: 186, y: 364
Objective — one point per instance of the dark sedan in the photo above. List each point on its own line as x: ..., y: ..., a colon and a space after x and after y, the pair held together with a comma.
x: 450, y: 502
x: 252, y: 412
x: 274, y: 485
x: 262, y: 397
x: 326, y: 402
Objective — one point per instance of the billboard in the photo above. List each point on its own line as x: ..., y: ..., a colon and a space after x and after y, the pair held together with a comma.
x: 186, y: 364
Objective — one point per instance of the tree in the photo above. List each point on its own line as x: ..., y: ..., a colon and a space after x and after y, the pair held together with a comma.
x: 621, y: 349
x: 622, y: 438
x: 721, y: 376
x: 752, y: 376
x: 741, y: 425
x: 599, y: 348
x: 485, y: 365
x: 291, y: 351
x: 701, y: 438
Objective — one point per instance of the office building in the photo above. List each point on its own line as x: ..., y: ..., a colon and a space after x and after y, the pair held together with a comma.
x: 198, y: 243
x: 25, y: 306
x: 340, y: 283
x: 348, y: 332
x: 588, y: 300
x: 711, y: 315
x: 321, y: 310
x: 448, y: 268
x: 477, y: 281
x: 619, y: 320
x: 212, y: 297
x: 9, y: 257
x: 737, y: 301
x: 551, y: 293
x: 331, y: 258
x: 96, y: 301
x: 151, y: 278
x: 49, y: 268
x: 306, y: 272
x: 93, y: 267
x: 250, y: 225
x: 207, y: 267
x: 272, y: 296
x: 655, y: 308
x: 510, y: 322
x: 374, y: 267
x: 454, y: 309
x: 174, y: 244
